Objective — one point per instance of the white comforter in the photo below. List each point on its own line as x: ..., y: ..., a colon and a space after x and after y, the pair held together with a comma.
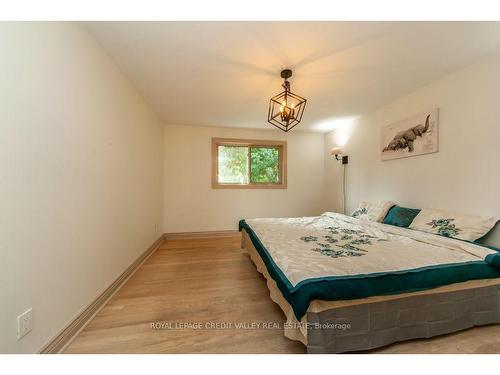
x: 338, y: 245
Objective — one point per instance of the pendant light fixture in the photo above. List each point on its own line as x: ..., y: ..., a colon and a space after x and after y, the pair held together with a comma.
x: 286, y: 108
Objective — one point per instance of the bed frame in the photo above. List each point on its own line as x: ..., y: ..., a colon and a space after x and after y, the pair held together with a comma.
x: 382, y: 323
x: 377, y: 321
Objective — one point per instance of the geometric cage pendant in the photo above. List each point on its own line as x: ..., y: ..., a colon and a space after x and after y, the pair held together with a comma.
x: 286, y: 108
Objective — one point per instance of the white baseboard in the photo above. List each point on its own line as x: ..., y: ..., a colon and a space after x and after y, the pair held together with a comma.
x: 188, y: 235
x: 59, y: 342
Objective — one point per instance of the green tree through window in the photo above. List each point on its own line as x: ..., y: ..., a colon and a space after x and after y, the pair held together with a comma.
x: 264, y: 165
x: 247, y: 164
x: 233, y: 165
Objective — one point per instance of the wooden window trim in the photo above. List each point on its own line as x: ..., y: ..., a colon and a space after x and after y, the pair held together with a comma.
x: 249, y: 143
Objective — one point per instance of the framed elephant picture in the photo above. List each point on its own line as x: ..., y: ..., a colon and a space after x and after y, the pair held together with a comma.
x: 417, y: 135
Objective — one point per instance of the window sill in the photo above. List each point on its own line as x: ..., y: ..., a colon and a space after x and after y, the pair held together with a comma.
x: 249, y: 186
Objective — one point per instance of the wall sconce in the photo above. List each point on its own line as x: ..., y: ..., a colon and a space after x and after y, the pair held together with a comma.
x: 339, y: 155
x: 344, y: 159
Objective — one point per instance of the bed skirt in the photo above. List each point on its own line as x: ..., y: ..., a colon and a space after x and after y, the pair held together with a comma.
x: 368, y: 323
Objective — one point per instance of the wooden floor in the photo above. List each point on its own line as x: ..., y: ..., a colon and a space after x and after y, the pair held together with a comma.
x: 207, y: 280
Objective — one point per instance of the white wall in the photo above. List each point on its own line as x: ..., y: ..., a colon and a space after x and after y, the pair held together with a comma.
x: 464, y: 175
x: 192, y: 205
x: 80, y: 177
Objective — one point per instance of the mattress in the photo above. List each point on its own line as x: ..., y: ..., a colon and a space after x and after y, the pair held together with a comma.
x: 474, y: 302
x: 335, y: 257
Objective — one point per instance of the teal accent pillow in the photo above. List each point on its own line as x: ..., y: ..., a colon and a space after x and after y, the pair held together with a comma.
x: 401, y: 216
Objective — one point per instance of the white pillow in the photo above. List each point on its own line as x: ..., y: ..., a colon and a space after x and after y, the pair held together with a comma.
x: 453, y: 224
x: 373, y: 211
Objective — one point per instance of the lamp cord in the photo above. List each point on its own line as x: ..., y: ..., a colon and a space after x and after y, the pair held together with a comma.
x: 343, y: 189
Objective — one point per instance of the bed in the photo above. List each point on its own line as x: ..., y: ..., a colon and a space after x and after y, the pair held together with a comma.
x: 346, y: 284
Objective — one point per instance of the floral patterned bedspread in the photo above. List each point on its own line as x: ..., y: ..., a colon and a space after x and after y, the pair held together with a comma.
x: 338, y: 245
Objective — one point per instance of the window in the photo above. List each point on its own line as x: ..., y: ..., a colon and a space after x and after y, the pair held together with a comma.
x: 251, y: 164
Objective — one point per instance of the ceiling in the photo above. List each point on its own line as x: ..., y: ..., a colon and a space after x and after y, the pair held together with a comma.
x: 223, y: 73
